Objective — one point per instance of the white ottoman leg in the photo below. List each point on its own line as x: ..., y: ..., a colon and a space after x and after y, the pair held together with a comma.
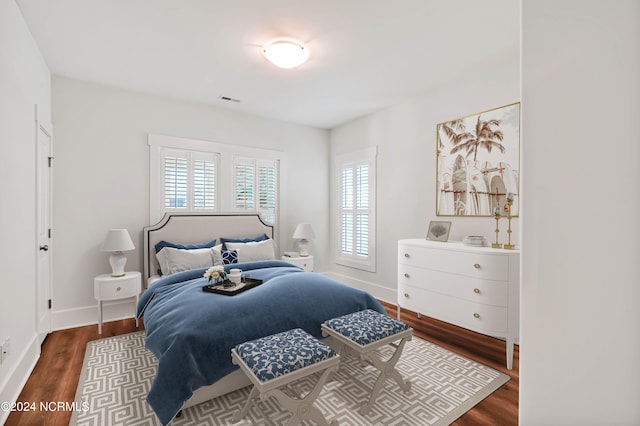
x: 387, y: 371
x: 253, y: 395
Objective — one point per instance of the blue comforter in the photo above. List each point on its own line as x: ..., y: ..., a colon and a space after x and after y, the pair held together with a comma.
x: 191, y: 332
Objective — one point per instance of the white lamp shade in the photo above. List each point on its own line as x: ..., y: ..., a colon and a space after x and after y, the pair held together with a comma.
x: 304, y: 231
x: 117, y: 240
x: 286, y: 54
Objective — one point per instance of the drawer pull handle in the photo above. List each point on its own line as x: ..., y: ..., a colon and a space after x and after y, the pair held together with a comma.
x: 406, y: 275
x: 119, y: 288
x: 476, y: 290
x: 406, y: 295
x: 476, y: 315
x: 407, y: 255
x: 476, y: 265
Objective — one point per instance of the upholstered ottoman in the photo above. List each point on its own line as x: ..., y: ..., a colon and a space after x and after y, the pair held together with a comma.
x: 275, y: 361
x: 365, y: 331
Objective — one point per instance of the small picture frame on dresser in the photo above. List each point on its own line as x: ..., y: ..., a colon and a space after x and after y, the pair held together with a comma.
x: 438, y: 231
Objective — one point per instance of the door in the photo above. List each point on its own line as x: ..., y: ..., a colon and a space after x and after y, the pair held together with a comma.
x: 43, y: 229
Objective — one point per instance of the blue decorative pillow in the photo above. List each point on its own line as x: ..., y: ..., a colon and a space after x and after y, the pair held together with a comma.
x: 224, y: 240
x: 162, y: 244
x: 229, y: 257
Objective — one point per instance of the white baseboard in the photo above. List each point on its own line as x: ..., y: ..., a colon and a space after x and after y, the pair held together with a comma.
x: 12, y: 386
x: 88, y: 315
x: 379, y: 292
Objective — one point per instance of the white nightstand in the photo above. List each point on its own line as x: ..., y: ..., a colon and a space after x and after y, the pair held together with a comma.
x: 305, y: 262
x: 107, y: 287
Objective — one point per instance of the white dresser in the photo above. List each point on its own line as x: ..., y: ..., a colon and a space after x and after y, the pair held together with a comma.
x: 477, y: 288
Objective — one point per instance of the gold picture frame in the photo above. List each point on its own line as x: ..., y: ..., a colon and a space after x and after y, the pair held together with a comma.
x: 478, y: 163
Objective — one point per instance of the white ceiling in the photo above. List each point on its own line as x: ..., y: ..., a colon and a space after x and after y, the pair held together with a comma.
x: 365, y: 54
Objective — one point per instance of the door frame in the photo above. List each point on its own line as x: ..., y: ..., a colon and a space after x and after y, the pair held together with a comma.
x: 43, y: 327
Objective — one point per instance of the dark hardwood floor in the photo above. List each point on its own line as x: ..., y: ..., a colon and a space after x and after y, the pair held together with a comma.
x: 499, y: 408
x: 56, y: 374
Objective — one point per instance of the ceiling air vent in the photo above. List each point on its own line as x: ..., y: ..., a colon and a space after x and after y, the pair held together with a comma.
x: 228, y: 99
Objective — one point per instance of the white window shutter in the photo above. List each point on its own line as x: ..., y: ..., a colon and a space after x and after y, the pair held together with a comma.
x: 175, y: 180
x: 361, y: 189
x: 204, y: 182
x: 256, y: 187
x: 188, y: 180
x: 244, y: 187
x: 355, y: 209
x: 356, y: 187
x: 268, y: 183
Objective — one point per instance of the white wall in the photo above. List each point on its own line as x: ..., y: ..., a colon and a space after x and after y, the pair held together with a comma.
x: 24, y: 82
x: 101, y: 177
x: 405, y: 135
x: 580, y: 337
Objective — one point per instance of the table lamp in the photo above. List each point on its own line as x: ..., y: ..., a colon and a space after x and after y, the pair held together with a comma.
x: 117, y: 241
x: 304, y: 233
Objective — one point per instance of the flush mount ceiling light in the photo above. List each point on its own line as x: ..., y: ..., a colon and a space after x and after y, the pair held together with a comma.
x: 286, y: 53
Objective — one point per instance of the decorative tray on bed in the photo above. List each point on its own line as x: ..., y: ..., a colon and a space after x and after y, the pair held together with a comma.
x: 233, y: 289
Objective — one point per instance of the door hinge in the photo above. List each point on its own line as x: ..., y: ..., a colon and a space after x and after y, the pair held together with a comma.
x: 49, y: 159
x: 49, y: 303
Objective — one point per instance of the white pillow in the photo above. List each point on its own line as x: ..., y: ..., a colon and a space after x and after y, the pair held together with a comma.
x: 162, y: 261
x: 181, y: 260
x: 216, y: 254
x: 254, y: 250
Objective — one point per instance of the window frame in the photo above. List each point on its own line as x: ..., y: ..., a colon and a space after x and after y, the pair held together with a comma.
x: 225, y: 179
x: 354, y: 159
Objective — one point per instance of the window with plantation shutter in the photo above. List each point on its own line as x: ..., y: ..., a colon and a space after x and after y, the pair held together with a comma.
x: 189, y: 175
x: 268, y: 190
x: 356, y: 222
x: 244, y: 186
x: 256, y: 186
x: 188, y: 180
x: 204, y: 183
x: 175, y: 181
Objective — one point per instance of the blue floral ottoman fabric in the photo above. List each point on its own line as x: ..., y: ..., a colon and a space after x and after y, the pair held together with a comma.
x: 276, y: 355
x: 366, y: 326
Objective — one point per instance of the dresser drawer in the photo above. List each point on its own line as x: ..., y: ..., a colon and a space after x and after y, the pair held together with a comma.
x: 472, y: 264
x: 487, y: 292
x: 491, y: 320
x: 117, y: 288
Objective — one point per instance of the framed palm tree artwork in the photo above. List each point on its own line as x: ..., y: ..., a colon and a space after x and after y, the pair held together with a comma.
x: 478, y: 163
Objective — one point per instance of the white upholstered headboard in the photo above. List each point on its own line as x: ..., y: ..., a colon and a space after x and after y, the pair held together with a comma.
x: 194, y: 228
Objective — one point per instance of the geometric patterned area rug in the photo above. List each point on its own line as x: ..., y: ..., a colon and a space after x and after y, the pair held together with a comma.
x: 118, y: 371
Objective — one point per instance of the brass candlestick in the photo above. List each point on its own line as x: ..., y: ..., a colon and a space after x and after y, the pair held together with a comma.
x: 509, y: 246
x: 496, y: 215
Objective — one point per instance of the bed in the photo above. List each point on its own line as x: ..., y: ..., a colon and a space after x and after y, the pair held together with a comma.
x: 191, y: 332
